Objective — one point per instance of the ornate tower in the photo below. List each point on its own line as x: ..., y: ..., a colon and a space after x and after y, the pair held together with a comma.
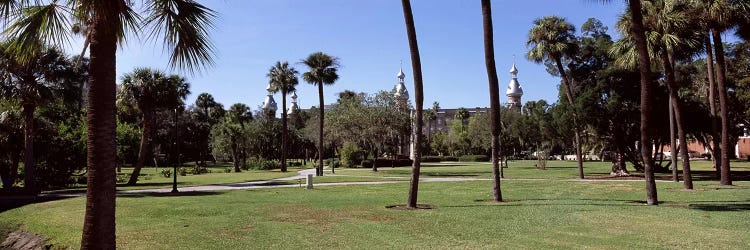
x: 294, y: 108
x: 514, y: 91
x: 269, y: 105
x: 401, y: 94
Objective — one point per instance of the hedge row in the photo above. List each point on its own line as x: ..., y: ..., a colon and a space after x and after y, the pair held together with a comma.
x: 386, y: 163
x: 474, y: 158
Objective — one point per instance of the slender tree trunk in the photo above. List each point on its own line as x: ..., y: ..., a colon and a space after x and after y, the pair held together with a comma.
x: 319, y: 171
x: 676, y: 110
x: 672, y: 140
x: 374, y: 162
x: 644, y: 66
x: 15, y: 159
x: 726, y: 177
x: 489, y: 59
x: 28, y: 151
x: 284, y: 130
x: 236, y: 158
x: 715, y: 122
x: 576, y: 129
x: 99, y: 221
x: 143, y: 152
x: 418, y: 101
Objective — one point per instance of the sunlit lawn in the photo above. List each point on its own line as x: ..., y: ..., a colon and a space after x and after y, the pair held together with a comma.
x: 539, y: 215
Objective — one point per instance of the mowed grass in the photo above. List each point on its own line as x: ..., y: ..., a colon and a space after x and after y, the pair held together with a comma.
x: 526, y: 169
x: 538, y: 214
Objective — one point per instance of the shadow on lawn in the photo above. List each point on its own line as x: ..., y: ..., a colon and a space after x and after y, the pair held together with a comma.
x: 8, y: 203
x: 727, y: 207
x: 179, y: 194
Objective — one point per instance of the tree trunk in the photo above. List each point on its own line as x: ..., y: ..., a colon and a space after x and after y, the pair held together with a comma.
x: 374, y: 162
x: 644, y: 66
x: 672, y: 140
x: 319, y: 171
x: 283, y: 130
x: 418, y: 101
x: 715, y: 123
x: 236, y: 158
x: 28, y: 151
x: 677, y: 111
x: 576, y: 130
x: 143, y: 152
x: 489, y: 59
x: 99, y: 221
x: 726, y: 178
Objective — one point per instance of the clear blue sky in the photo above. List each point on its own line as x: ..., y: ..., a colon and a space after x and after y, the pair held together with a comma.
x: 369, y: 38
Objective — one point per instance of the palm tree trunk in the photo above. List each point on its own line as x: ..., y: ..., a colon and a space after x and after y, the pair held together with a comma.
x: 644, y: 66
x: 28, y: 152
x: 145, y: 148
x: 489, y: 59
x: 418, y: 101
x: 283, y: 130
x: 99, y: 221
x: 576, y: 129
x: 726, y: 178
x: 672, y: 140
x: 677, y: 111
x: 715, y: 123
x: 319, y: 171
x: 236, y: 158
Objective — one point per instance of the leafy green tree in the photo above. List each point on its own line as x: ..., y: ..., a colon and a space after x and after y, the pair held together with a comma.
x: 227, y: 136
x: 31, y: 81
x: 184, y: 26
x: 151, y: 91
x: 209, y: 112
x: 283, y: 79
x: 552, y: 40
x: 11, y: 145
x: 323, y: 71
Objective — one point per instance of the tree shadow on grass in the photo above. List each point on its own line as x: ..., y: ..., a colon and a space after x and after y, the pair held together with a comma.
x: 451, y: 174
x: 167, y: 194
x: 726, y: 207
x: 8, y: 203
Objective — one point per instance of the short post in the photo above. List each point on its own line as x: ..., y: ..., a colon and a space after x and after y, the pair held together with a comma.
x: 309, y: 181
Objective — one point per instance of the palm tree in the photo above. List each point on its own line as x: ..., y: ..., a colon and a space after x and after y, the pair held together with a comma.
x: 671, y: 37
x: 184, y: 26
x: 552, y: 38
x: 489, y: 59
x: 32, y: 83
x: 205, y: 104
x: 241, y: 113
x: 151, y: 91
x: 283, y: 79
x: 416, y: 65
x: 644, y: 67
x: 323, y: 70
x: 11, y: 145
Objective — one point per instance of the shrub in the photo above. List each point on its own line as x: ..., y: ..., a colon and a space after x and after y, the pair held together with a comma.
x: 182, y: 171
x: 474, y: 158
x: 449, y: 158
x: 431, y: 159
x: 387, y: 163
x: 166, y: 173
x: 227, y: 170
x: 294, y: 164
x: 366, y: 163
x: 199, y: 170
x: 350, y: 155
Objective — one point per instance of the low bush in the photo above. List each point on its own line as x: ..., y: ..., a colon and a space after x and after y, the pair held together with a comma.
x: 182, y: 171
x: 387, y: 163
x: 227, y: 170
x: 294, y: 164
x: 474, y: 158
x: 449, y: 158
x: 431, y: 158
x: 199, y: 170
x: 351, y: 155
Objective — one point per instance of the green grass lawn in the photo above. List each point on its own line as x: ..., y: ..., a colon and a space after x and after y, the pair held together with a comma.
x: 539, y: 214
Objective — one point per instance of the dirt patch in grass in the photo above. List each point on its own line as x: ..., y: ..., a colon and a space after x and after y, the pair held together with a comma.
x: 23, y: 240
x: 404, y: 207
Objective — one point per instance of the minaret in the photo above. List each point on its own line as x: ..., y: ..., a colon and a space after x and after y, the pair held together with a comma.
x: 294, y: 108
x: 269, y: 105
x: 514, y: 91
x: 401, y: 94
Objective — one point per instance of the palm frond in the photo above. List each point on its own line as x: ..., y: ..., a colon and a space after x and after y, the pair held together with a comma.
x: 184, y: 26
x: 36, y: 27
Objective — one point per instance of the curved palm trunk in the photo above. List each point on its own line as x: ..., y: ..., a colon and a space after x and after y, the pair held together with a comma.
x: 489, y: 59
x: 319, y: 171
x: 644, y: 66
x: 676, y: 109
x: 284, y: 131
x: 28, y: 152
x: 672, y: 140
x: 726, y: 178
x: 715, y: 123
x: 143, y: 152
x: 99, y: 221
x: 418, y: 101
x: 576, y: 130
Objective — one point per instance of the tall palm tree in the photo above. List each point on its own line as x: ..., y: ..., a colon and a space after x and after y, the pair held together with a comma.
x: 323, y: 71
x: 241, y: 113
x: 489, y: 59
x: 206, y: 105
x: 644, y: 67
x: 671, y: 36
x: 183, y: 24
x: 150, y: 91
x: 32, y: 83
x: 718, y: 16
x: 551, y: 39
x: 283, y: 79
x: 416, y: 65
